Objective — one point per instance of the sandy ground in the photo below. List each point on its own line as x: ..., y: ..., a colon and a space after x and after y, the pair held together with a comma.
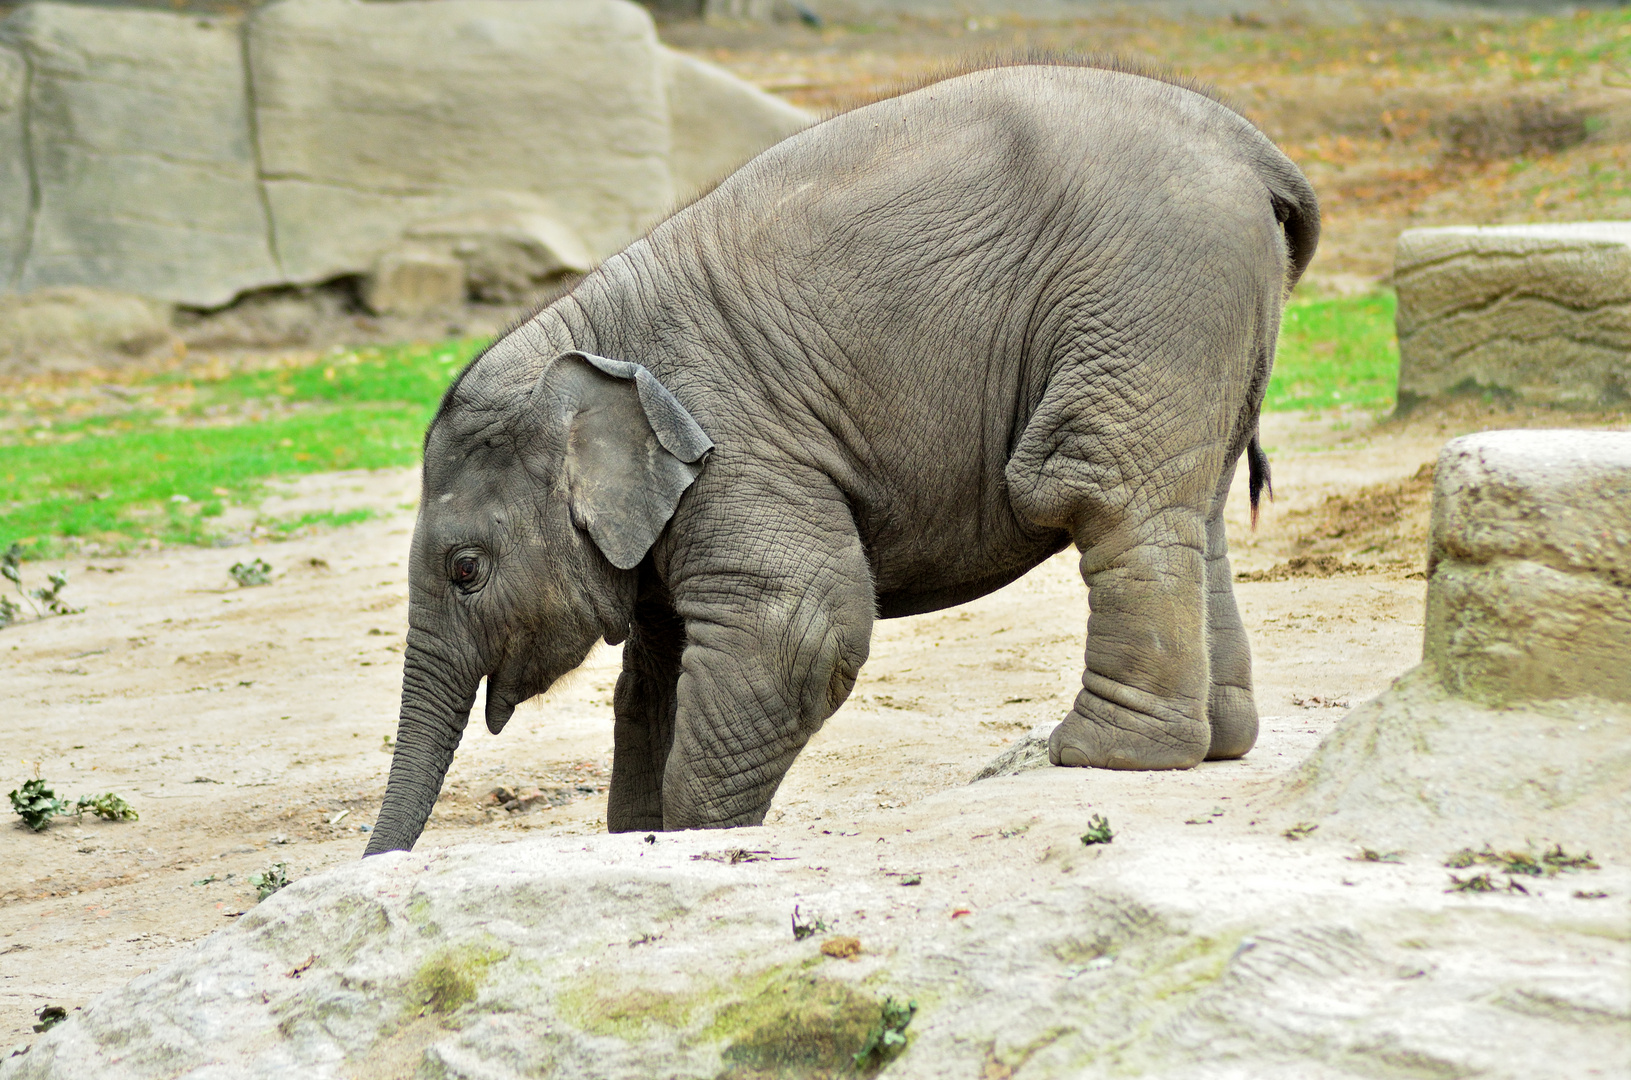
x: 251, y: 726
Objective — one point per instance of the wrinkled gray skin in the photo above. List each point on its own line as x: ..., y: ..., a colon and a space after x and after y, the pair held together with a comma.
x: 932, y: 342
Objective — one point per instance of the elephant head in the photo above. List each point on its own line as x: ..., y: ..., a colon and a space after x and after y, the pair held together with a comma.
x: 537, y: 504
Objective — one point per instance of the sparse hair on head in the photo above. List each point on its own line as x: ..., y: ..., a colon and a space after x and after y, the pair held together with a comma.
x: 1038, y: 57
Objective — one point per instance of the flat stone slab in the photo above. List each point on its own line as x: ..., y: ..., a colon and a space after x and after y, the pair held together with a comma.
x: 1529, y: 565
x: 1542, y: 312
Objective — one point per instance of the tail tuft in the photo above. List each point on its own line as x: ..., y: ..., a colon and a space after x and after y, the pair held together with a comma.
x: 1257, y: 472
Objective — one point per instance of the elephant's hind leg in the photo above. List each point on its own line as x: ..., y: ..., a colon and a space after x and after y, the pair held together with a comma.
x: 643, y: 706
x: 1144, y: 684
x: 1230, y: 709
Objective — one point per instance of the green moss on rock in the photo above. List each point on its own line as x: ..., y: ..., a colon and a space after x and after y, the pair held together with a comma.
x: 448, y: 981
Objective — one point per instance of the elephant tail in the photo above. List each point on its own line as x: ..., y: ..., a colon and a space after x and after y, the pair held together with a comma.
x: 1258, y: 479
x: 1297, y: 209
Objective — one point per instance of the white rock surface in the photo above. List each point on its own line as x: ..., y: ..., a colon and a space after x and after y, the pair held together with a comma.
x: 1529, y: 588
x: 142, y: 155
x: 1422, y: 769
x: 552, y: 108
x: 1539, y: 311
x: 1177, y: 951
x: 1237, y: 926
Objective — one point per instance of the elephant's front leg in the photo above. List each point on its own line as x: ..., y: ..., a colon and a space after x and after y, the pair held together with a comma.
x: 772, y: 649
x: 1231, y: 710
x: 1143, y: 703
x: 643, y: 707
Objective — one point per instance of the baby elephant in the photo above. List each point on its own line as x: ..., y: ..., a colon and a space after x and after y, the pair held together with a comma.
x: 888, y: 366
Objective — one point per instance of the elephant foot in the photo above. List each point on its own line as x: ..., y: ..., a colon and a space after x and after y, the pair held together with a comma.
x: 1233, y: 716
x: 1104, y: 735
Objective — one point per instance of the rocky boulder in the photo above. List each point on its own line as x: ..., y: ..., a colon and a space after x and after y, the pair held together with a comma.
x: 1542, y: 312
x: 1529, y: 588
x: 376, y: 117
x: 907, y: 948
x: 141, y: 152
x: 1517, y: 727
x: 192, y: 159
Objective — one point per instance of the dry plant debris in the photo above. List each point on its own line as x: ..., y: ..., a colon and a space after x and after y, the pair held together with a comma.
x: 252, y: 573
x: 733, y: 856
x: 37, y: 804
x: 1368, y: 855
x: 1483, y: 883
x: 1549, y: 863
x: 50, y: 1016
x: 888, y: 1036
x: 841, y: 948
x: 46, y: 600
x: 808, y: 927
x: 270, y: 880
x: 1514, y: 864
x: 1300, y: 830
x: 1098, y: 831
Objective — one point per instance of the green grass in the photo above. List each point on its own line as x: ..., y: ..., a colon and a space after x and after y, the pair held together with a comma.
x: 1335, y: 353
x: 184, y: 448
x: 190, y: 447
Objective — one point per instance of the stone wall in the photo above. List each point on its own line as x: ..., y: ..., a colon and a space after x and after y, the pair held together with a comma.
x: 1539, y: 312
x: 192, y: 158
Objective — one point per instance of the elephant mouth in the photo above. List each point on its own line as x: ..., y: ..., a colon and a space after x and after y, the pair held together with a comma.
x: 500, y: 707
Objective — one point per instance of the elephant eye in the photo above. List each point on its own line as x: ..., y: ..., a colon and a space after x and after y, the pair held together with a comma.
x: 466, y: 568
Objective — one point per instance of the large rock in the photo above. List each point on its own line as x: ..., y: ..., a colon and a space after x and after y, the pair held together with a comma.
x: 1170, y: 954
x: 526, y: 139
x: 1539, y: 311
x: 142, y: 155
x: 719, y: 121
x: 374, y: 118
x: 1517, y: 726
x: 15, y: 194
x: 1529, y: 566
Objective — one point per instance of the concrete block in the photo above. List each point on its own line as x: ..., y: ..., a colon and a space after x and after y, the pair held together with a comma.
x: 1529, y: 566
x: 1542, y: 312
x: 374, y: 118
x: 141, y: 152
x: 720, y: 121
x: 414, y: 283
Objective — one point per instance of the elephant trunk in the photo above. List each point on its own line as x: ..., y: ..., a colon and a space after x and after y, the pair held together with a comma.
x: 436, y: 700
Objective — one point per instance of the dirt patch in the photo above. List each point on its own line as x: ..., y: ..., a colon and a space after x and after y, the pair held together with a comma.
x: 1379, y: 527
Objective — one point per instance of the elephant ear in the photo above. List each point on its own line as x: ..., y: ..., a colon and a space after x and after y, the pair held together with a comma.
x: 631, y: 451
